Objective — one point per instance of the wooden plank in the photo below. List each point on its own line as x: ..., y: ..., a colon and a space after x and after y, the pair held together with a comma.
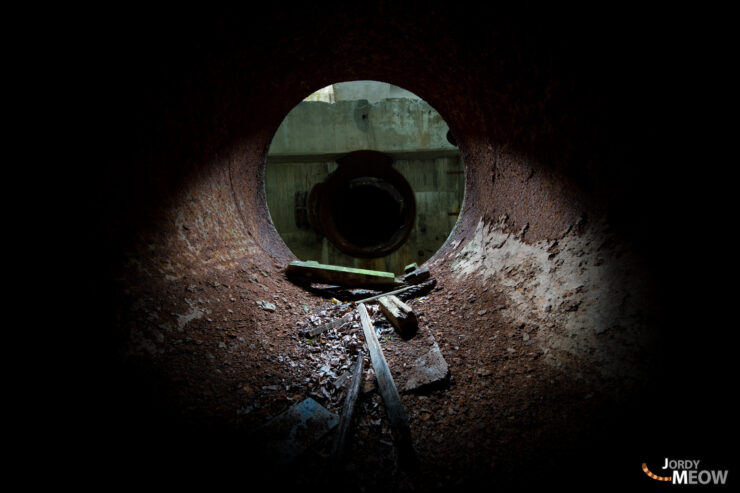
x: 340, y: 292
x: 399, y: 421
x: 378, y: 296
x: 350, y: 403
x: 411, y: 267
x: 401, y: 316
x: 416, y: 276
x: 323, y: 328
x: 311, y: 271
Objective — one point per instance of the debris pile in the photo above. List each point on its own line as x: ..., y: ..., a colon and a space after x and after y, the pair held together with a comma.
x: 345, y: 348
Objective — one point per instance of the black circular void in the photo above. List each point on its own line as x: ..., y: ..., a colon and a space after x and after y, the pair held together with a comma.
x: 368, y: 211
x: 365, y: 208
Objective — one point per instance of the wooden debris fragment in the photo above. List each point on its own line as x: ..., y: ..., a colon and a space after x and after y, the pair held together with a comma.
x: 399, y: 421
x: 417, y: 276
x: 311, y: 271
x: 323, y: 328
x: 428, y: 372
x: 378, y: 296
x: 341, y: 293
x: 400, y: 315
x: 418, y: 290
x: 350, y: 403
x: 410, y: 267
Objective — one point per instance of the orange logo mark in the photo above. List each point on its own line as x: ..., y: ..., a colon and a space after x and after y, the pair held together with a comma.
x: 659, y: 478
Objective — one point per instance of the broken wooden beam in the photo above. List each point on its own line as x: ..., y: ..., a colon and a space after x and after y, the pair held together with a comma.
x: 400, y: 315
x: 350, y: 403
x: 314, y: 331
x: 312, y: 271
x: 416, y: 276
x: 399, y: 421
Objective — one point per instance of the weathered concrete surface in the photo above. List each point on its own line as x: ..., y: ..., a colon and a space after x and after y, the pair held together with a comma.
x: 428, y: 372
x: 373, y: 91
x: 588, y: 286
x: 393, y: 126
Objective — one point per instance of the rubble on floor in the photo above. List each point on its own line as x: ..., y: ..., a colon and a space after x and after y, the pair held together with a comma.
x: 290, y: 433
x: 227, y: 362
x: 337, y: 331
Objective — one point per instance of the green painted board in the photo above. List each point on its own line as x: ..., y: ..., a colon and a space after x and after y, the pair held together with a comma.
x: 312, y: 271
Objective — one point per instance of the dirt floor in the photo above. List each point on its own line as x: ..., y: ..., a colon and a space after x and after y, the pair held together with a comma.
x: 205, y: 368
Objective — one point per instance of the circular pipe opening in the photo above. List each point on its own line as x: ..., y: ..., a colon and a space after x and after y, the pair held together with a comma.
x: 364, y: 174
x: 365, y: 208
x: 367, y: 212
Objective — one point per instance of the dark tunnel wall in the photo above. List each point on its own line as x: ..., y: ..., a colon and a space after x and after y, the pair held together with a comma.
x: 560, y: 123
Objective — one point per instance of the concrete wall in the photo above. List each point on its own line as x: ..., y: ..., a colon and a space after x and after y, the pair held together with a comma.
x: 395, y: 126
x: 313, y: 134
x: 373, y: 91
